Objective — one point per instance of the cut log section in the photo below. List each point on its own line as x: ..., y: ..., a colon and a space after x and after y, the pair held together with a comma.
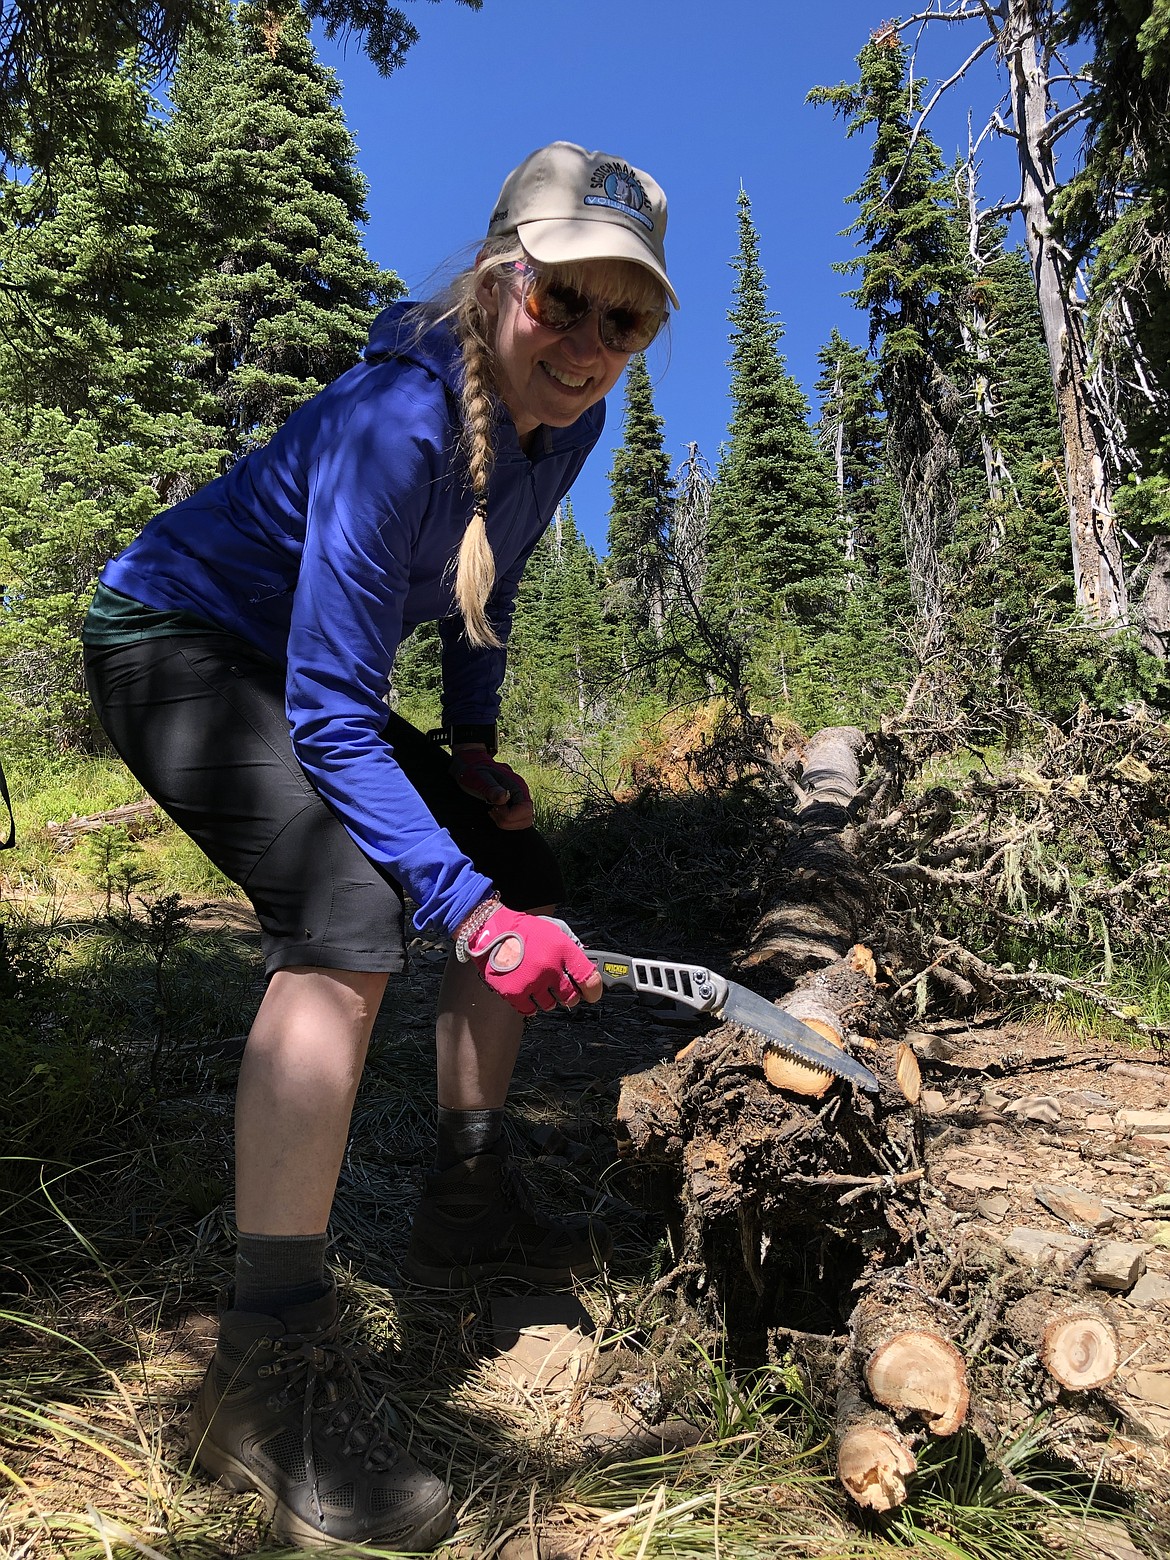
x: 908, y: 1364
x: 832, y: 1002
x: 824, y: 898
x: 908, y: 1072
x: 1076, y: 1344
x: 874, y: 1459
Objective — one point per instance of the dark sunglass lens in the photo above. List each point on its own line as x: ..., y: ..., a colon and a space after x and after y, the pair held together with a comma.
x: 559, y: 308
x: 629, y: 330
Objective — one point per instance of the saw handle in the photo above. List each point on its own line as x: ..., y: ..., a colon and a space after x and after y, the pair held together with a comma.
x: 690, y: 984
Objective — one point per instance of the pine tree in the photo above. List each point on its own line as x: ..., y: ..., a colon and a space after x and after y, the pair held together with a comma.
x: 289, y: 290
x: 43, y: 94
x: 96, y: 425
x: 773, y: 546
x: 642, y: 496
x: 562, y: 652
x: 911, y: 274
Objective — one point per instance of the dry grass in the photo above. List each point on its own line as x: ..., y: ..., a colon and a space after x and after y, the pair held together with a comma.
x: 117, y: 1237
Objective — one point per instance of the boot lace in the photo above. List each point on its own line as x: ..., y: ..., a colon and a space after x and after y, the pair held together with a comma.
x: 324, y: 1374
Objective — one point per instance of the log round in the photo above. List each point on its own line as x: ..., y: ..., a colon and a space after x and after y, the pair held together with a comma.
x: 1076, y: 1345
x: 908, y: 1364
x: 874, y: 1459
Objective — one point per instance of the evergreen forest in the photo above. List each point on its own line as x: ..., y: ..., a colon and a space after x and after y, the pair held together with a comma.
x: 958, y: 548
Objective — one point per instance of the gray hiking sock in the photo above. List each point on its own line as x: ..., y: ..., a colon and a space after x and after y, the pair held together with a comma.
x: 464, y: 1133
x: 274, y: 1271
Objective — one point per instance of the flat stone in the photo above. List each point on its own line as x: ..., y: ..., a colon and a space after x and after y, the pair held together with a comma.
x: 996, y: 1207
x: 1107, y: 1540
x: 1152, y: 1386
x: 1145, y: 1120
x: 1117, y: 1264
x: 1089, y: 1099
x: 544, y: 1343
x: 1043, y: 1108
x: 1045, y: 1248
x: 1100, y: 1123
x: 932, y: 1048
x: 933, y: 1102
x: 1153, y: 1142
x: 977, y: 1181
x: 1074, y: 1206
x: 1151, y: 1289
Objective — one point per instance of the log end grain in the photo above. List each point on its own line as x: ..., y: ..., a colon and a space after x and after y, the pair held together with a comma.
x: 1080, y: 1352
x: 873, y: 1465
x: 920, y: 1374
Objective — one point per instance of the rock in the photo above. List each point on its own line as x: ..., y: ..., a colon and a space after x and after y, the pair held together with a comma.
x: 544, y: 1342
x: 1106, y: 1540
x: 1117, y: 1264
x: 1153, y: 1142
x: 1044, y: 1108
x: 1150, y: 1290
x: 934, y: 1103
x: 1045, y: 1248
x: 977, y: 1181
x: 1089, y: 1099
x: 1152, y: 1386
x: 932, y: 1048
x: 1074, y: 1206
x: 1100, y: 1123
x: 996, y: 1207
x: 1144, y: 1120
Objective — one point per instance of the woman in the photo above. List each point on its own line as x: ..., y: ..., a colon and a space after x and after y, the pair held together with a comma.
x: 238, y: 654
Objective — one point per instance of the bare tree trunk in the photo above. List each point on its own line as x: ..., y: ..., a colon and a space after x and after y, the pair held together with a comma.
x: 1096, y: 546
x: 1156, y: 600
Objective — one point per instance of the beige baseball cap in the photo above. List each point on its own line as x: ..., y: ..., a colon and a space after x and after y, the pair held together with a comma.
x: 564, y: 203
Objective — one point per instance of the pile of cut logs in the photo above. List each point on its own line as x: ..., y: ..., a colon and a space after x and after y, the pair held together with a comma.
x: 806, y: 1211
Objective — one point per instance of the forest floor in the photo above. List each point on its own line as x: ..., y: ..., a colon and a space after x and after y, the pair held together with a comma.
x: 601, y: 1425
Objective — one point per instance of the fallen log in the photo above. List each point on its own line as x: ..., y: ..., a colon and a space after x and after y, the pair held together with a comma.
x: 874, y: 1458
x: 1075, y: 1342
x: 908, y: 1363
x: 822, y: 904
x: 137, y: 817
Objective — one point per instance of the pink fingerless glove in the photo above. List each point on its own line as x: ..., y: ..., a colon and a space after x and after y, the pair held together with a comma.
x: 526, y: 959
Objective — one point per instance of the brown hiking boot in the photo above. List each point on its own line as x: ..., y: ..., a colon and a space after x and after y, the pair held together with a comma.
x: 280, y: 1412
x: 477, y: 1220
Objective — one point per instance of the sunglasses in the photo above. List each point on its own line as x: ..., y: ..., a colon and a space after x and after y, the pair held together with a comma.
x: 561, y: 308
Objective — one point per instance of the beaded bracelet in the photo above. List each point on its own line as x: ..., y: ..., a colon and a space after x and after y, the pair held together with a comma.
x: 472, y: 924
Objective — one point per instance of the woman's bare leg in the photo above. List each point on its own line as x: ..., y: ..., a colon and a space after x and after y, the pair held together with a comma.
x: 298, y: 1080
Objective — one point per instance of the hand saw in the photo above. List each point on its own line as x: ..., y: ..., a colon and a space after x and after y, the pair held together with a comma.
x: 707, y: 992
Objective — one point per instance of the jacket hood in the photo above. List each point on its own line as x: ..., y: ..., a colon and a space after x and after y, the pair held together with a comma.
x: 395, y: 334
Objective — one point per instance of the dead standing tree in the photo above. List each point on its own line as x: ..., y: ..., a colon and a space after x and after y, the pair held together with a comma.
x: 1023, y: 34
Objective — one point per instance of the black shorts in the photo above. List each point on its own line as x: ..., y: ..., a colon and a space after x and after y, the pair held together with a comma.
x: 200, y: 721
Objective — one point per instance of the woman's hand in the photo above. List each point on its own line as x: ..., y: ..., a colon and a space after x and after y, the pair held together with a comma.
x: 507, y: 796
x: 529, y: 960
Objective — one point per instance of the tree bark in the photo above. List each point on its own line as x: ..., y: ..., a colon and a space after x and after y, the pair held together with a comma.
x: 1096, y: 546
x: 823, y: 900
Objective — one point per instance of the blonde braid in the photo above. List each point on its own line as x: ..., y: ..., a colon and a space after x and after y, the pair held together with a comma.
x: 475, y: 573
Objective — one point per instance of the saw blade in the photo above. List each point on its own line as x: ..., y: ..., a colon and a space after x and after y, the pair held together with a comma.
x: 788, y: 1034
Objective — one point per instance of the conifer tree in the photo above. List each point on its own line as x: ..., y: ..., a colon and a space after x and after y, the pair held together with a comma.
x: 642, y: 495
x: 772, y: 544
x: 561, y: 651
x: 911, y: 273
x: 96, y: 426
x: 289, y: 290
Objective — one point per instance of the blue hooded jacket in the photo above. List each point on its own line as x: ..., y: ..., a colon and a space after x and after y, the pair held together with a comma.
x: 327, y: 546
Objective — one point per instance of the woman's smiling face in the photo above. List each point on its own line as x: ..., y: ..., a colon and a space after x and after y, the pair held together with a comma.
x: 547, y: 376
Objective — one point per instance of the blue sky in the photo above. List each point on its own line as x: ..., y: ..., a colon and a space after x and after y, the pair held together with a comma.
x: 704, y: 96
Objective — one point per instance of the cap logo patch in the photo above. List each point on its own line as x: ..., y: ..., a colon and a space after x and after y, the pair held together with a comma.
x: 623, y: 192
